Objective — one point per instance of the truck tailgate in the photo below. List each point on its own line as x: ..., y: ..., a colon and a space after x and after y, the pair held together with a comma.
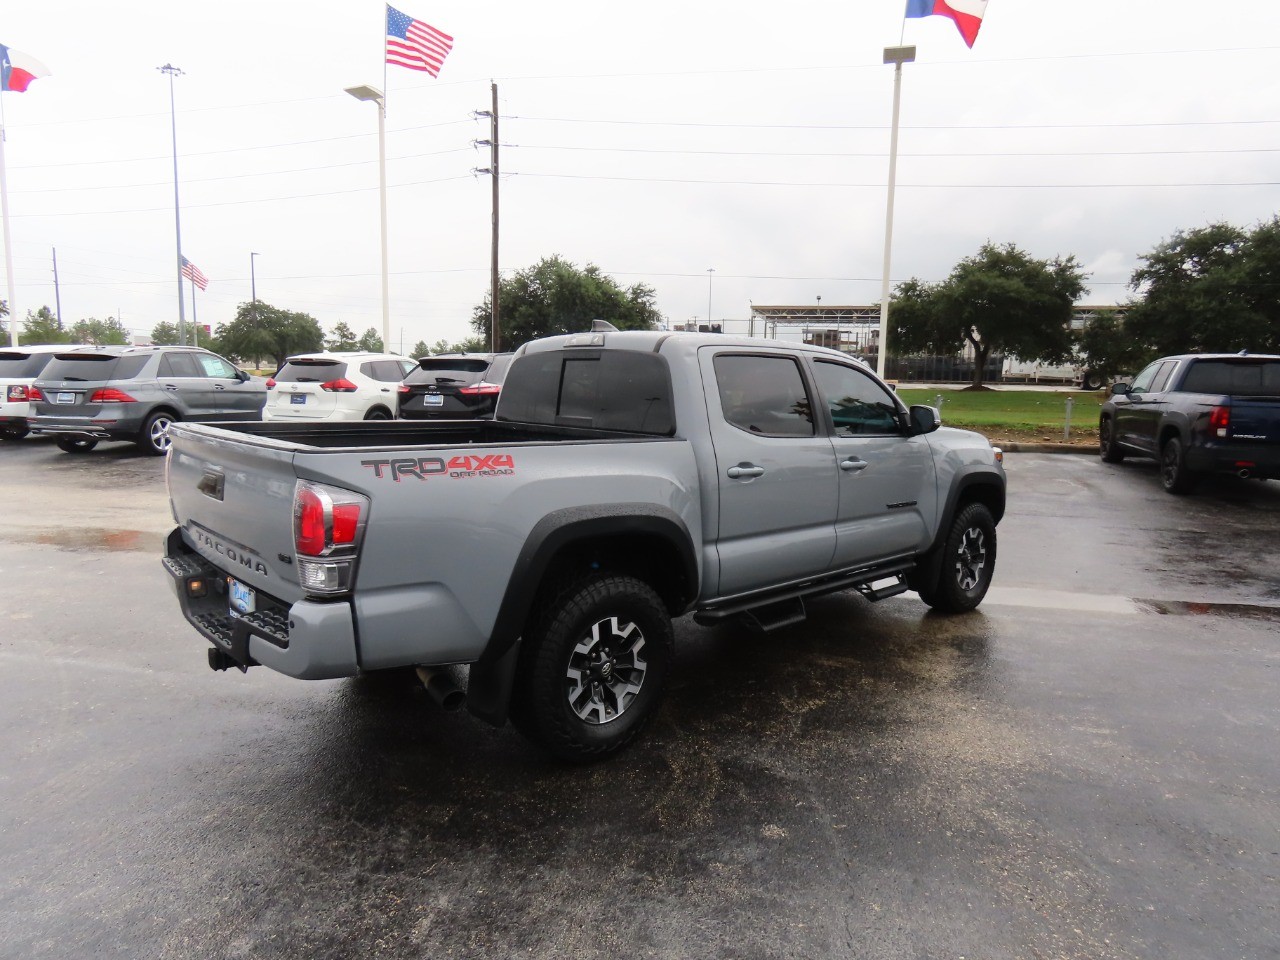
x: 234, y: 496
x: 1256, y: 418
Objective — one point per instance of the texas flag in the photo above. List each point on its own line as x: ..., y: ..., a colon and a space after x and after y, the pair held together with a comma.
x: 966, y: 13
x: 18, y: 69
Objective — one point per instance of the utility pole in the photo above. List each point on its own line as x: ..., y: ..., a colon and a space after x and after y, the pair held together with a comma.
x: 57, y: 296
x: 492, y: 170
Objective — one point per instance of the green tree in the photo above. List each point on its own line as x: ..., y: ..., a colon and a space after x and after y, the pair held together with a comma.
x: 100, y: 333
x: 260, y: 330
x: 41, y: 326
x: 343, y: 338
x: 1212, y: 289
x: 554, y: 296
x: 370, y: 341
x: 420, y: 349
x: 1000, y: 300
x: 164, y: 333
x: 470, y: 345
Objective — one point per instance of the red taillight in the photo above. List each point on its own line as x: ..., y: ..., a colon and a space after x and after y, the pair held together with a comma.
x: 34, y: 394
x: 481, y: 389
x: 110, y: 395
x: 339, y: 386
x: 404, y: 389
x: 270, y: 383
x: 17, y: 394
x: 325, y: 518
x: 1220, y: 420
x: 308, y: 522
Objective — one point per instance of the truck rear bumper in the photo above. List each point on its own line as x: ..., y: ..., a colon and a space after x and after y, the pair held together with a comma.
x: 307, y: 640
x: 1262, y: 461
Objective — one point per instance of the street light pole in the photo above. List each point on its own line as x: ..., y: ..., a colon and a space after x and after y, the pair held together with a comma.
x: 366, y: 92
x: 173, y: 71
x: 710, y: 271
x: 253, y: 284
x: 897, y: 56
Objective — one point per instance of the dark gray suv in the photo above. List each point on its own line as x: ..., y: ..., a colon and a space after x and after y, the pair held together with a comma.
x: 134, y: 393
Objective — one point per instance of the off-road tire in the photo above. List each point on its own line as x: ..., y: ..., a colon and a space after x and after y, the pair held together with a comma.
x: 1174, y: 475
x: 153, y: 438
x: 76, y: 444
x: 561, y: 680
x: 1108, y: 449
x: 968, y: 562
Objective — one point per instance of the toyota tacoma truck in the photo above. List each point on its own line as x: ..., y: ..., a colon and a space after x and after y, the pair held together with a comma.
x: 627, y: 478
x: 1198, y: 414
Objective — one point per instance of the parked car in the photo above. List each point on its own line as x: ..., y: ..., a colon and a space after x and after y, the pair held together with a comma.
x: 1198, y: 414
x: 19, y: 367
x: 453, y: 386
x: 89, y: 394
x: 336, y: 386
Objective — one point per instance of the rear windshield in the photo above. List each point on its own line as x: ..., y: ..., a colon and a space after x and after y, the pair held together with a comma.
x: 311, y: 371
x: 610, y: 389
x: 93, y: 367
x: 1240, y: 378
x: 462, y: 370
x: 22, y: 366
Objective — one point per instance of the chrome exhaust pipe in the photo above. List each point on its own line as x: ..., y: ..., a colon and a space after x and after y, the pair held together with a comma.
x: 1243, y: 474
x: 443, y: 690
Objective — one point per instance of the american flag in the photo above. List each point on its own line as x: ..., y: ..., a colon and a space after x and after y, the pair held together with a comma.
x: 414, y: 44
x: 192, y: 273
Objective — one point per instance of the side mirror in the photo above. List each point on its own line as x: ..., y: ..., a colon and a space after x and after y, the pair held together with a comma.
x: 924, y: 419
x: 1119, y: 389
x: 241, y: 375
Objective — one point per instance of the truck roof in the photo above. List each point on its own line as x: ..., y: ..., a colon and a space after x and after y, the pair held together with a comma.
x: 658, y: 340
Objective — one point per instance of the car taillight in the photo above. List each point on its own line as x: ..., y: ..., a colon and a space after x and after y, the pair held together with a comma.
x: 17, y: 394
x: 34, y: 394
x: 342, y: 385
x: 328, y: 524
x: 404, y: 388
x: 481, y: 389
x: 1220, y: 420
x: 110, y: 395
x: 270, y: 383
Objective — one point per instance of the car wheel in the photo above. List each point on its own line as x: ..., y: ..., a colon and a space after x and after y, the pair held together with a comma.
x: 968, y: 562
x: 593, y: 667
x: 76, y: 444
x: 1174, y: 475
x: 154, y: 436
x: 378, y: 413
x: 1107, y: 446
x: 14, y: 433
x: 1092, y: 381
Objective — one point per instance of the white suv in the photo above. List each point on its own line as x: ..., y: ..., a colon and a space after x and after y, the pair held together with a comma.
x: 19, y: 367
x: 336, y: 386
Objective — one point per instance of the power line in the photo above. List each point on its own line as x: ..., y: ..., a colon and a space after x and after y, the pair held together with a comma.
x: 880, y: 186
x: 881, y: 126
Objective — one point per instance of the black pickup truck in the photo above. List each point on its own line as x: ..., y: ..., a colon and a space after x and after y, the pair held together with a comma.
x: 1198, y: 414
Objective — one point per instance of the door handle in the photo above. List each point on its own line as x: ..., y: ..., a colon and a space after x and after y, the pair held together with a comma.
x: 744, y: 471
x: 218, y: 386
x: 171, y: 386
x: 853, y: 465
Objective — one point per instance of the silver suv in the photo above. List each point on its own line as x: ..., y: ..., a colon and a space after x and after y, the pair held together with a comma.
x: 134, y: 393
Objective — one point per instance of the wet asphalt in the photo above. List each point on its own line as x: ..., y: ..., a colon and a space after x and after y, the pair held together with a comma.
x: 1085, y: 767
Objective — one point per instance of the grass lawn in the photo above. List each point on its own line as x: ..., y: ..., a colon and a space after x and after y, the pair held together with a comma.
x: 1016, y: 414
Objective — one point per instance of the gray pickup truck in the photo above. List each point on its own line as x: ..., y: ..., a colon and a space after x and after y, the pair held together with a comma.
x: 627, y: 478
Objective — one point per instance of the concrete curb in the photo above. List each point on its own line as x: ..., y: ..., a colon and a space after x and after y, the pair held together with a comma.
x: 1088, y: 449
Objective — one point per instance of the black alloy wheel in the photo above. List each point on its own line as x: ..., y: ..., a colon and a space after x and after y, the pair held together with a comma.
x: 968, y: 562
x: 1107, y: 447
x: 1174, y: 475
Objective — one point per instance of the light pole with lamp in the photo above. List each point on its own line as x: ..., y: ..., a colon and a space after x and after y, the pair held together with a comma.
x: 366, y: 92
x: 897, y: 56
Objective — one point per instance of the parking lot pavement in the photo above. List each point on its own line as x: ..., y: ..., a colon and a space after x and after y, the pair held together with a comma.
x: 1066, y: 772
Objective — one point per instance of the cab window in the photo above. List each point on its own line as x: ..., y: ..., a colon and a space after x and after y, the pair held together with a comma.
x: 859, y: 406
x: 1142, y: 382
x: 764, y: 395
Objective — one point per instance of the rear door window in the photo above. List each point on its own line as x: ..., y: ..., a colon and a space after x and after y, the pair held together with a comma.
x: 179, y: 365
x: 1162, y: 376
x: 384, y: 371
x: 764, y: 395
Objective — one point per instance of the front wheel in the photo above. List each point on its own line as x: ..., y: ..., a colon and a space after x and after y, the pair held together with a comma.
x: 154, y: 436
x: 593, y: 667
x: 968, y: 562
x: 1092, y: 380
x: 1174, y: 475
x: 76, y: 444
x: 1107, y: 446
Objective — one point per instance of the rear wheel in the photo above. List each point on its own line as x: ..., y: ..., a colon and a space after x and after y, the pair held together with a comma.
x: 1107, y: 446
x: 1092, y: 380
x: 76, y: 444
x: 1174, y: 475
x: 968, y: 562
x: 154, y: 437
x: 593, y: 667
x: 14, y: 432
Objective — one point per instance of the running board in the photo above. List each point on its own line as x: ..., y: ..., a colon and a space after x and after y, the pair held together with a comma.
x: 775, y: 616
x: 874, y: 593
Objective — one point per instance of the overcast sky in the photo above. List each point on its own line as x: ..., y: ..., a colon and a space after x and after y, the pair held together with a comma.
x: 655, y: 140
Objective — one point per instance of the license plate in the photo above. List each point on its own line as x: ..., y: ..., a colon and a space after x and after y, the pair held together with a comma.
x: 298, y: 398
x: 243, y: 599
x: 434, y: 400
x: 64, y: 398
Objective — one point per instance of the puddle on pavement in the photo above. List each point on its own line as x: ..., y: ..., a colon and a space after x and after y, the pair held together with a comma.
x: 1103, y: 603
x: 110, y: 541
x: 1183, y: 608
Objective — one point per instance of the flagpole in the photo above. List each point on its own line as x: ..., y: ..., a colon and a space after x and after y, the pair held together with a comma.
x: 171, y: 70
x: 8, y: 244
x: 195, y: 324
x: 897, y: 56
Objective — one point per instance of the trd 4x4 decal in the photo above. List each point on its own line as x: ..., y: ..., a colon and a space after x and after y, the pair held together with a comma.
x: 420, y: 468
